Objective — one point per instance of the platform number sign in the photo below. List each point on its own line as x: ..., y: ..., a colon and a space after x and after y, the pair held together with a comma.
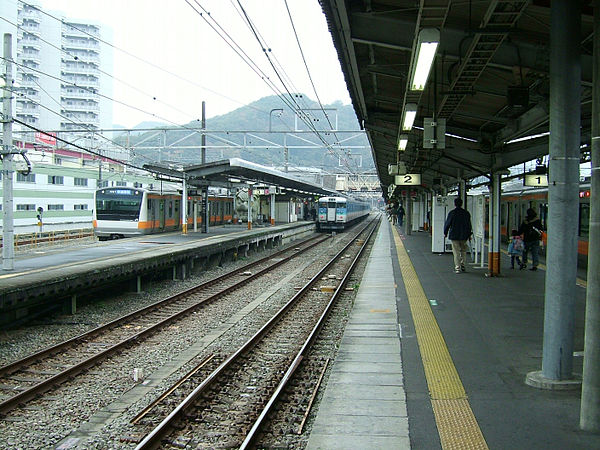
x: 533, y: 179
x: 408, y: 179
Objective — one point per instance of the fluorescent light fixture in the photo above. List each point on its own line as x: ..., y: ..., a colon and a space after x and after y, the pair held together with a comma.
x: 408, y: 118
x: 402, y: 142
x: 427, y: 43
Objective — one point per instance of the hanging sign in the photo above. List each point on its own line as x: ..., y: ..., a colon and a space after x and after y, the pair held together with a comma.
x: 533, y: 179
x: 408, y: 179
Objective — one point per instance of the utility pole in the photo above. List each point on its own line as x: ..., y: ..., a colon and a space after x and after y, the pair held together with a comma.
x: 8, y: 237
x: 203, y: 137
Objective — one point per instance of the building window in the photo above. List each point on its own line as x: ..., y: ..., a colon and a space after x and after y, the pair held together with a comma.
x: 30, y: 178
x: 137, y: 185
x: 103, y: 184
x: 55, y: 179
x: 24, y: 207
x: 81, y: 181
x: 121, y: 183
x: 58, y: 162
x: 80, y: 207
x: 56, y: 207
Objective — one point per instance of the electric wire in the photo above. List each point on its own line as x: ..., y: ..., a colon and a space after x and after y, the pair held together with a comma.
x: 264, y: 47
x: 135, y: 56
x: 78, y: 59
x: 298, y: 111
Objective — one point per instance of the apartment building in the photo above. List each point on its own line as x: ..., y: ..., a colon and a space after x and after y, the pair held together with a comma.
x: 60, y: 70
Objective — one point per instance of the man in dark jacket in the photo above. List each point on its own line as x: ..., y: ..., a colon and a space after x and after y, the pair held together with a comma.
x: 458, y: 229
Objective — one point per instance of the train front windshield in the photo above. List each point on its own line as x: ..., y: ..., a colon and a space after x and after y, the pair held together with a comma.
x: 118, y: 204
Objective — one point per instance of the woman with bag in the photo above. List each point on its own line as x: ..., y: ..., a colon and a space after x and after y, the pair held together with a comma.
x: 531, y: 230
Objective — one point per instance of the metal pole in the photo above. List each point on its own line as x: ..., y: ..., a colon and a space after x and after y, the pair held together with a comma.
x: 494, y: 228
x: 563, y: 194
x: 8, y: 238
x: 249, y: 207
x: 184, y: 207
x: 273, y: 206
x: 203, y: 137
x: 589, y: 418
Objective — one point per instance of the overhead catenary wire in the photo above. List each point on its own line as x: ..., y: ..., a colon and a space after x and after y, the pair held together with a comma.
x: 132, y: 55
x: 264, y: 47
x: 87, y: 150
x: 291, y: 101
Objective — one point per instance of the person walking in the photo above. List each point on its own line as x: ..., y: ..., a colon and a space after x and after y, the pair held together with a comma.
x: 458, y: 229
x: 515, y: 250
x: 531, y: 230
x: 400, y: 214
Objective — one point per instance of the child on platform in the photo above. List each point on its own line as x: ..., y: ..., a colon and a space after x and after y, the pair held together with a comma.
x: 515, y: 249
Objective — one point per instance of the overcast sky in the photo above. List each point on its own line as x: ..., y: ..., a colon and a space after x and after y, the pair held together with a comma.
x: 199, y: 63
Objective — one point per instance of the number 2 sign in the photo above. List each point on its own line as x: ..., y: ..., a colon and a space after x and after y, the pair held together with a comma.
x: 408, y: 179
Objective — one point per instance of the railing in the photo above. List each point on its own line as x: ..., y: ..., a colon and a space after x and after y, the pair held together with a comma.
x: 28, y: 240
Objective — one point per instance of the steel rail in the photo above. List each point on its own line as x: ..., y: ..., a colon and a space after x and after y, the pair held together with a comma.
x: 49, y: 383
x: 152, y: 439
x: 38, y: 356
x: 250, y: 437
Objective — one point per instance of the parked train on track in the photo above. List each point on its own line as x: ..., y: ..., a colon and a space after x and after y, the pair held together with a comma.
x: 338, y: 213
x: 126, y: 212
x: 515, y: 203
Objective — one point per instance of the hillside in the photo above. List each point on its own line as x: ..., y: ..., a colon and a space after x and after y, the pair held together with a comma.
x: 183, y: 144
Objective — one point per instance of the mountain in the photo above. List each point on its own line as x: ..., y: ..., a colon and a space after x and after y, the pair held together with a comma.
x: 225, y: 137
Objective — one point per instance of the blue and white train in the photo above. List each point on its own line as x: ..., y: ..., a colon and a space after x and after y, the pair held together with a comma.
x: 338, y: 213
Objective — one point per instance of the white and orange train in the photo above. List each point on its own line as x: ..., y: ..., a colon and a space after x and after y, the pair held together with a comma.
x: 126, y: 212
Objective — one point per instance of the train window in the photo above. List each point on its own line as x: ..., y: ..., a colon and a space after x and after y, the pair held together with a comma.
x: 584, y: 220
x: 149, y: 204
x: 170, y: 208
x: 503, y: 214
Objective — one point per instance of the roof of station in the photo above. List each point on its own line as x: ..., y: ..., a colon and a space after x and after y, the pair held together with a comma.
x: 235, y: 171
x: 490, y: 80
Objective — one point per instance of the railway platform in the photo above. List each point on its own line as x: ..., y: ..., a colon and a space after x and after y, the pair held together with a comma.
x: 434, y: 359
x: 48, y: 278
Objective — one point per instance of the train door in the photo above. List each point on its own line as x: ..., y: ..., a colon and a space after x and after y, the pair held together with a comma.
x: 151, y: 206
x: 177, y: 215
x: 161, y: 214
x: 331, y: 210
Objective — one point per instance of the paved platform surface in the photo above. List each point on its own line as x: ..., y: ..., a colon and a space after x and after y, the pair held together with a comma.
x: 379, y: 394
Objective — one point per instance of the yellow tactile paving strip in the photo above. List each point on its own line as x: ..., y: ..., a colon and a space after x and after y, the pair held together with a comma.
x: 456, y: 423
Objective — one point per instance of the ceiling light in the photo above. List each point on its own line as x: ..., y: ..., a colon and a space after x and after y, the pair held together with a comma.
x: 408, y: 118
x: 427, y: 43
x: 402, y: 142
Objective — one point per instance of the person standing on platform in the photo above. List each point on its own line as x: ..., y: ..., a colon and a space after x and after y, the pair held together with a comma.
x: 531, y: 230
x: 458, y: 229
x: 401, y: 213
x: 515, y: 250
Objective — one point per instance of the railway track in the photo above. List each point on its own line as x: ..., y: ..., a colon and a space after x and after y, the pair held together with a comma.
x: 234, y: 396
x: 30, y: 377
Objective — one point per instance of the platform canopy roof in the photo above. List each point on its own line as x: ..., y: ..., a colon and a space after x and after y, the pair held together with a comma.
x: 235, y: 172
x: 489, y: 81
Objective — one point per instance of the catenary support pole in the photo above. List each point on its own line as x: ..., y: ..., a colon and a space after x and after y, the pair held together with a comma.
x: 589, y: 418
x: 272, y: 205
x: 563, y: 197
x: 250, y: 207
x: 8, y: 233
x: 203, y: 137
x: 184, y: 212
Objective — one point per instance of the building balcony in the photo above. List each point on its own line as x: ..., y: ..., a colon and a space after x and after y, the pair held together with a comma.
x: 89, y: 108
x: 91, y: 70
x: 79, y: 30
x: 80, y: 44
x: 85, y: 95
